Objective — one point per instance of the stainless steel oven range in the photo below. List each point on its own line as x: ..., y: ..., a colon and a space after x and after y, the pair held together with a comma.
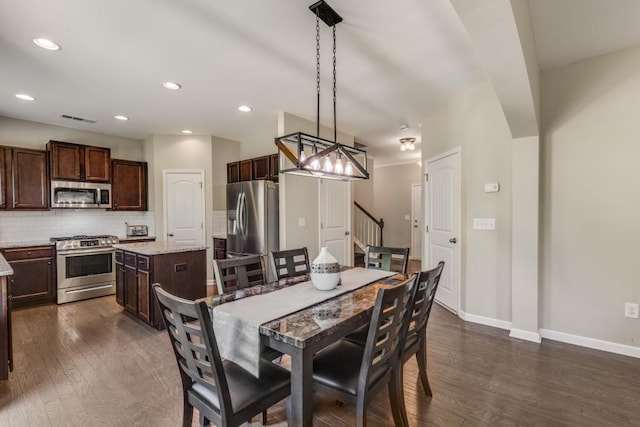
x: 86, y: 267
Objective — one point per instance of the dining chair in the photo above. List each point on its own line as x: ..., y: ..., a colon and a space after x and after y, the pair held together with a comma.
x: 357, y: 373
x: 233, y: 274
x: 291, y: 263
x: 381, y: 258
x: 416, y: 342
x: 221, y: 391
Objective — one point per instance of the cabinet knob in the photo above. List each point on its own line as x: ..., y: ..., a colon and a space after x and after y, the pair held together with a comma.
x: 49, y: 263
x: 28, y: 252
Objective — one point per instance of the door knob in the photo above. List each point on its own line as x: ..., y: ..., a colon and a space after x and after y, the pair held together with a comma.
x: 346, y: 233
x: 415, y: 226
x: 169, y: 234
x: 453, y: 240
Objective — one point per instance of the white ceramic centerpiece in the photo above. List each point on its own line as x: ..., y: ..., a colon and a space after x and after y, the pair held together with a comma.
x: 325, y: 271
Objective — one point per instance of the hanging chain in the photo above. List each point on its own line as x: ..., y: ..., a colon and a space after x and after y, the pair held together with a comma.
x: 335, y: 129
x: 318, y: 73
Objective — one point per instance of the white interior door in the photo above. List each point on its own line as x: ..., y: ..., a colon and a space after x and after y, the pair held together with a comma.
x: 184, y: 206
x: 443, y: 219
x: 416, y: 221
x: 335, y: 219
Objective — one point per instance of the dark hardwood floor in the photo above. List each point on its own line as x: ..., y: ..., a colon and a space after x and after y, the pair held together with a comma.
x: 88, y: 363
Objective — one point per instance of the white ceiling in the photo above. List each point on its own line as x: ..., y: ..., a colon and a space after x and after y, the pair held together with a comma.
x: 569, y: 31
x: 397, y: 62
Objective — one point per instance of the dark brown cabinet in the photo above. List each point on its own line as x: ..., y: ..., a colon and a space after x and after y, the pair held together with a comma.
x: 32, y: 280
x: 260, y: 166
x: 129, y: 185
x: 78, y: 162
x: 233, y: 172
x: 6, y: 350
x: 274, y: 168
x: 219, y: 248
x: 246, y: 170
x: 24, y: 182
x: 3, y: 179
x: 264, y: 167
x: 180, y: 273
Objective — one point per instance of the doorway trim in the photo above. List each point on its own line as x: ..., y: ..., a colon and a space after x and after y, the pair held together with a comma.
x: 420, y: 218
x: 165, y: 172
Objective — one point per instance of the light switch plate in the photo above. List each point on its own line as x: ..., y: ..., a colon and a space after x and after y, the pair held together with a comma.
x: 492, y: 187
x: 631, y: 310
x: 484, y: 223
x: 302, y: 222
x: 407, y: 217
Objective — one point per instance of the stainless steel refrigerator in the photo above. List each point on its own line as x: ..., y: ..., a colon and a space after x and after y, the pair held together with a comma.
x: 252, y: 218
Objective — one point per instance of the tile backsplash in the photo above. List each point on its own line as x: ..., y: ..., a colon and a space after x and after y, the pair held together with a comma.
x: 219, y: 223
x: 18, y: 226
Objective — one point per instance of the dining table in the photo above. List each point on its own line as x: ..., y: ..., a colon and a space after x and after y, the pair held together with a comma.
x: 303, y: 332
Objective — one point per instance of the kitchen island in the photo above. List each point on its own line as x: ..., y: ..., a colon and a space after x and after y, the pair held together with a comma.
x: 179, y: 268
x: 6, y: 356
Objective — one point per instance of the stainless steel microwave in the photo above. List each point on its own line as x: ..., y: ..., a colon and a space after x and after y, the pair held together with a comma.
x: 80, y: 195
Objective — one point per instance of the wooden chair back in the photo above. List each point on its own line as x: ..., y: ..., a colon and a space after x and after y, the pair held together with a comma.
x: 387, y: 332
x: 381, y: 258
x: 238, y: 273
x: 191, y: 333
x: 291, y: 263
x: 426, y: 287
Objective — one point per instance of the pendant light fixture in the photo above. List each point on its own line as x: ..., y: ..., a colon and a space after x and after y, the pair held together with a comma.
x: 303, y: 154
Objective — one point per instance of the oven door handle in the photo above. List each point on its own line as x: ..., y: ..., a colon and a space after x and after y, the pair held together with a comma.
x: 87, y: 252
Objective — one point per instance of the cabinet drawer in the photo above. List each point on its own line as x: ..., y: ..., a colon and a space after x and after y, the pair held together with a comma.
x: 219, y: 243
x: 119, y: 256
x: 143, y: 263
x: 27, y: 253
x: 130, y: 259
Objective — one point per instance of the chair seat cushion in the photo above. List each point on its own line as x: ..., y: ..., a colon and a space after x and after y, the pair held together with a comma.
x: 338, y: 367
x: 244, y: 388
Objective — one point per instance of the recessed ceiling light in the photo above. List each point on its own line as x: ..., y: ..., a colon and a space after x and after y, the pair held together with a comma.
x: 244, y: 108
x: 25, y: 97
x: 171, y: 85
x: 187, y: 131
x: 46, y: 43
x: 119, y: 117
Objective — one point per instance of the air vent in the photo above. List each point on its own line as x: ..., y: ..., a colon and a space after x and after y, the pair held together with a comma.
x: 76, y: 118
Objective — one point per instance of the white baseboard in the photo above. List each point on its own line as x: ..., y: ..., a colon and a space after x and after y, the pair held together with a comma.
x: 596, y: 344
x: 525, y: 335
x: 488, y: 321
x: 611, y: 347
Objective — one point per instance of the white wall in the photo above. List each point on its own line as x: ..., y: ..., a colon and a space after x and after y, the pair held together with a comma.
x: 590, y: 197
x: 165, y: 152
x: 392, y: 201
x: 474, y: 120
x: 363, y: 190
x: 22, y: 133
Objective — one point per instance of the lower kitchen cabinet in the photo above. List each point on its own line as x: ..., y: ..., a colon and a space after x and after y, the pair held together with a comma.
x: 32, y: 280
x: 180, y: 273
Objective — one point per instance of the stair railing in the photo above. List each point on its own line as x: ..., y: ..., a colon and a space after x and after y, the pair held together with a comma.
x: 368, y: 230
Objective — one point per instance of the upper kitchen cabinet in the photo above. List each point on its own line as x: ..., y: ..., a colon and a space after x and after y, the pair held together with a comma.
x: 77, y: 162
x: 3, y: 180
x: 24, y: 182
x: 129, y: 185
x: 264, y: 167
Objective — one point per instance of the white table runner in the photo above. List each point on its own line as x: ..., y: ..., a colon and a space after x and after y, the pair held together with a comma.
x: 236, y: 324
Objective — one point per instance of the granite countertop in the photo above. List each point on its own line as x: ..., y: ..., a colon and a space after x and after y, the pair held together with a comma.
x: 159, y: 248
x: 5, y: 268
x: 219, y: 236
x: 25, y: 244
x: 133, y: 238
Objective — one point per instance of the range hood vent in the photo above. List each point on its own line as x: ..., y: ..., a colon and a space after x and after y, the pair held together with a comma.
x: 76, y: 118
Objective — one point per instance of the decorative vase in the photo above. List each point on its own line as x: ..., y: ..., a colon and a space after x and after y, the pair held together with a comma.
x: 325, y: 271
